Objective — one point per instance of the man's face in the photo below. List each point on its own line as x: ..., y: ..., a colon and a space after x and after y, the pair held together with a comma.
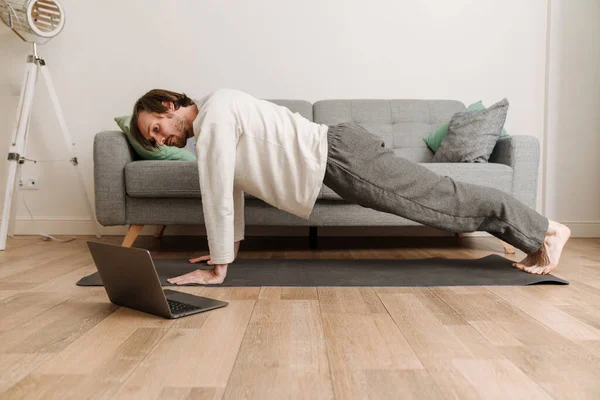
x: 169, y: 128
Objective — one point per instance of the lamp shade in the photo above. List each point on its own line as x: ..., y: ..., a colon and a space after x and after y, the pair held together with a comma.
x: 35, y: 21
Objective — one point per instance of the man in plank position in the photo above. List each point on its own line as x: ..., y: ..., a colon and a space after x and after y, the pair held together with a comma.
x: 244, y: 144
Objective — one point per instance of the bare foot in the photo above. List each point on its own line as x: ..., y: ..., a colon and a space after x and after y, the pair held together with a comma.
x: 214, y: 276
x: 546, y: 258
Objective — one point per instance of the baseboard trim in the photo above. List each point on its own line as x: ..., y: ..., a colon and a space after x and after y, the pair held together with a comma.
x: 84, y: 226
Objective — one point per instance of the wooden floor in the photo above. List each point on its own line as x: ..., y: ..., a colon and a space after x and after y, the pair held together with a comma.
x: 61, y: 341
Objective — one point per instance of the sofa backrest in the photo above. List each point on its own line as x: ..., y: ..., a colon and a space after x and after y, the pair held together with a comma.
x: 401, y: 123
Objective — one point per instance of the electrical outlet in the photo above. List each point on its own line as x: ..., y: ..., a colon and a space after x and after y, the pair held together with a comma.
x: 29, y: 184
x: 32, y: 183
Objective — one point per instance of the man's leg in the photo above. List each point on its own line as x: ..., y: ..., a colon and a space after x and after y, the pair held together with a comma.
x: 364, y: 172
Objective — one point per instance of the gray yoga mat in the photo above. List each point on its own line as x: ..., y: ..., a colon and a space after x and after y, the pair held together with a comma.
x: 487, y: 271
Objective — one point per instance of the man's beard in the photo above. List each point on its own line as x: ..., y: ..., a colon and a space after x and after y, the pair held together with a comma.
x: 184, y: 130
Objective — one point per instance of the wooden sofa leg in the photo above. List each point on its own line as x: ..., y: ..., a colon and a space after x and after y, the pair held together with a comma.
x: 312, y: 237
x: 132, y: 234
x: 459, y: 235
x: 508, y: 249
x: 159, y: 231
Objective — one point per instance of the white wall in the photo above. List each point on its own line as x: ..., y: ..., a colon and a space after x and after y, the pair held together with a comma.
x: 111, y: 52
x: 573, y: 142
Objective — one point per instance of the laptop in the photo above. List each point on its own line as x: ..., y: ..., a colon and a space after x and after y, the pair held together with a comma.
x: 130, y: 279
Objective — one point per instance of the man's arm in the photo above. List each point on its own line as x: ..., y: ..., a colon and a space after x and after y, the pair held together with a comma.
x: 217, y: 275
x: 238, y: 219
x: 215, y: 150
x: 238, y: 215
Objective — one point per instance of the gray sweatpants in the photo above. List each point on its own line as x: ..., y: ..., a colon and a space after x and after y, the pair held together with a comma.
x: 362, y: 171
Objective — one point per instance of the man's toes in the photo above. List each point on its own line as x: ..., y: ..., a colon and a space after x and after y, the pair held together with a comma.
x: 549, y: 269
x: 531, y: 269
x: 520, y: 266
x: 528, y: 261
x: 537, y: 270
x: 540, y: 270
x: 517, y: 266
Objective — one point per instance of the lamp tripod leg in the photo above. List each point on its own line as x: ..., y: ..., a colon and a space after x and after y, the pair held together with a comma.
x: 70, y: 143
x: 12, y: 225
x: 9, y: 208
x: 17, y: 147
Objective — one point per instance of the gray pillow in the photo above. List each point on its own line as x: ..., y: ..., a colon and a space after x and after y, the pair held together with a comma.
x: 472, y: 135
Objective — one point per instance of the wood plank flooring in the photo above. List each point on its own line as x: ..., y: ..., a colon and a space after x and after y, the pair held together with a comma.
x: 61, y: 341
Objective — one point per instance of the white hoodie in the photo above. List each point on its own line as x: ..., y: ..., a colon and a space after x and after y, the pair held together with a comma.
x: 244, y: 144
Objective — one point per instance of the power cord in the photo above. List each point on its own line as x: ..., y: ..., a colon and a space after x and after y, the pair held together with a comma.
x: 44, y: 236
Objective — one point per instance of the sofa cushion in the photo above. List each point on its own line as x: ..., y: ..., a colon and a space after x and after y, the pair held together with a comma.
x: 498, y: 176
x: 162, y: 179
x: 473, y: 135
x: 435, y: 138
x: 168, y: 179
x: 402, y: 124
x: 162, y: 153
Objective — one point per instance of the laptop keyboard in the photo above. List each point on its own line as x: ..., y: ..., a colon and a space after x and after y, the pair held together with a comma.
x: 178, y: 307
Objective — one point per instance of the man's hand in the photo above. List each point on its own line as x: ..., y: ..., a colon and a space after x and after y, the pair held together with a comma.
x: 202, y: 276
x: 205, y: 277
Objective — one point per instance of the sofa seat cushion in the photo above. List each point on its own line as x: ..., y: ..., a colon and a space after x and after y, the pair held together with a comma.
x: 494, y: 175
x: 164, y: 179
x: 179, y: 179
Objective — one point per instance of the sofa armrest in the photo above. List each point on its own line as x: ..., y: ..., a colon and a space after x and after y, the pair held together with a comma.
x: 112, y: 152
x: 522, y: 153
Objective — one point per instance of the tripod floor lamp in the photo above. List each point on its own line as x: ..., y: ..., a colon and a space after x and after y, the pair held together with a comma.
x: 35, y: 22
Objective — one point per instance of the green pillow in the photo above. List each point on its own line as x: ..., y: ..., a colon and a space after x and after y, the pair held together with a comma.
x: 164, y: 152
x: 434, y: 139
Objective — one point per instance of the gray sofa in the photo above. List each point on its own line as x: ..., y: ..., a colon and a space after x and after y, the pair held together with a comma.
x: 135, y: 192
